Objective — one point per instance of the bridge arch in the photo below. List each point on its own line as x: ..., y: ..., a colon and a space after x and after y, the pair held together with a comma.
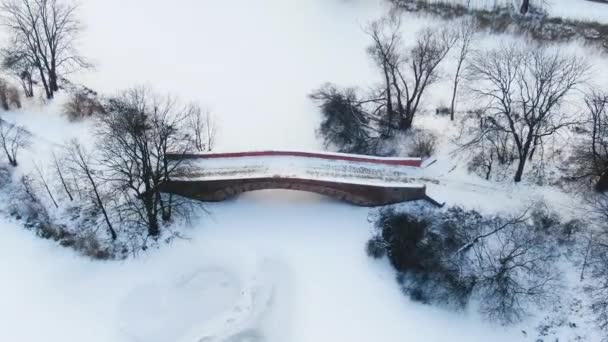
x: 363, y: 195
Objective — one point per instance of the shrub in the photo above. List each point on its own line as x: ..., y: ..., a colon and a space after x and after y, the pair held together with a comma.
x: 423, y: 145
x: 447, y: 257
x: 82, y: 105
x: 442, y: 110
x: 419, y: 254
x: 375, y: 248
x: 9, y: 96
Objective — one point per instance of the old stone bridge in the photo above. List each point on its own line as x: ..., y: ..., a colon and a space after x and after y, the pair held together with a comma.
x: 357, y: 179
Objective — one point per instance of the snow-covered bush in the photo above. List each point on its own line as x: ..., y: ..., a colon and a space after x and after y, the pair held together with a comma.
x: 420, y: 252
x: 82, y: 105
x: 502, y: 264
x: 9, y: 96
x: 69, y: 229
x: 345, y: 125
x: 423, y: 144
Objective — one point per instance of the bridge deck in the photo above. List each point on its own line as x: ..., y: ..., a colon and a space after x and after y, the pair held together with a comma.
x: 330, y: 167
x: 361, y: 180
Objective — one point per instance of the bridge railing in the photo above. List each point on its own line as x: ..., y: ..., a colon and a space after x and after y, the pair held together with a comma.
x: 413, y: 162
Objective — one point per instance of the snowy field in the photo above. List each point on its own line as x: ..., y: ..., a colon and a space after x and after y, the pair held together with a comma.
x: 579, y: 9
x: 270, y: 266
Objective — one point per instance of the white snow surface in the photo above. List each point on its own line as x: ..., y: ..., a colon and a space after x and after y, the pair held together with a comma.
x: 270, y: 266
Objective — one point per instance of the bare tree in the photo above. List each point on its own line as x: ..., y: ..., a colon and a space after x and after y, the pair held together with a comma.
x: 137, y: 134
x: 465, y: 32
x: 406, y: 73
x: 202, y: 128
x: 12, y: 138
x: 80, y: 164
x: 524, y: 89
x: 43, y: 33
x: 591, y: 156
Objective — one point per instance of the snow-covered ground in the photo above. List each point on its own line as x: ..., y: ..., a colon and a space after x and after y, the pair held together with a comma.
x: 269, y: 266
x: 579, y: 9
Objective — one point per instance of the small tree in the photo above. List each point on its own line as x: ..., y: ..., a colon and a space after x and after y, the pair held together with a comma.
x: 201, y: 127
x: 12, y: 139
x: 465, y: 32
x: 524, y: 90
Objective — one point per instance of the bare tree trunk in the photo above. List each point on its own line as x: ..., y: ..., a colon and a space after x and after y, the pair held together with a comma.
x: 525, y: 7
x: 29, y: 92
x: 101, y: 206
x: 153, y: 226
x: 586, y: 256
x: 46, y: 186
x: 453, y: 105
x: 47, y: 89
x: 520, y: 168
x: 53, y: 80
x: 602, y: 183
x: 63, y: 182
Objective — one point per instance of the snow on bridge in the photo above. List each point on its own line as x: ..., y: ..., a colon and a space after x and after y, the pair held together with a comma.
x: 358, y: 179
